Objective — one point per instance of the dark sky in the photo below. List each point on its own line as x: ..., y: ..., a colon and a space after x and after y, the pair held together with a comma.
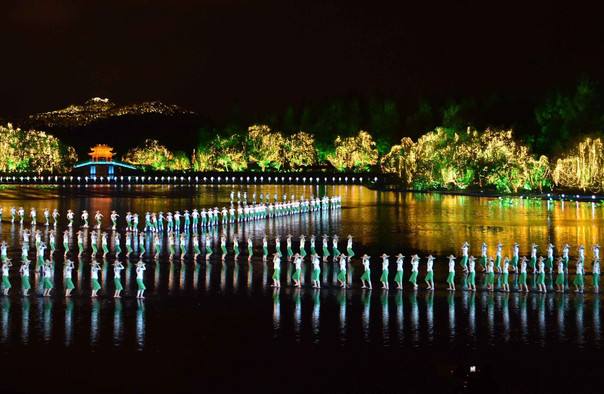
x: 261, y: 55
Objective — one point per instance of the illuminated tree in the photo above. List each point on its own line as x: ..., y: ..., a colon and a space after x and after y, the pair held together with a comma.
x: 33, y: 151
x: 202, y: 159
x: 150, y: 154
x: 354, y: 153
x: 299, y: 150
x: 400, y: 161
x: 457, y: 160
x: 265, y: 147
x: 228, y: 154
x: 179, y: 162
x: 583, y: 167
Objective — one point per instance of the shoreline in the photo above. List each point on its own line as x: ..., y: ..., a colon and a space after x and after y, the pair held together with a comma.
x: 379, y: 182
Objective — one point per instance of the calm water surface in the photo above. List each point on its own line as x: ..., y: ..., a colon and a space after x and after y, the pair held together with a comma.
x: 219, y: 327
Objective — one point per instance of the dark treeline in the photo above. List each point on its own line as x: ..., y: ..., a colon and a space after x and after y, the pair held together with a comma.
x: 546, y: 122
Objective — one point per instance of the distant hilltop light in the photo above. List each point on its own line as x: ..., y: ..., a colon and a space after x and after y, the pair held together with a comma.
x: 98, y: 108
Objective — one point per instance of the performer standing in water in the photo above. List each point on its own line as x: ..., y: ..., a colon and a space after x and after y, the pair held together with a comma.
x: 276, y: 270
x: 464, y: 262
x: 140, y: 284
x: 451, y: 275
x: 66, y: 242
x: 24, y: 272
x: 67, y: 281
x: 414, y: 270
x: 334, y: 244
x: 515, y: 257
x: 522, y: 280
x: 98, y: 217
x: 46, y: 217
x: 3, y: 251
x: 316, y: 271
x: 94, y: 277
x: 171, y: 246
x: 236, y: 246
x: 6, y: 264
x: 541, y: 276
x: 398, y: 278
x: 313, y: 249
x: 196, y: 249
x: 70, y: 216
x: 342, y: 272
x: 533, y: 263
x: 80, y: 238
x: 250, y: 248
x: 94, y: 243
x: 114, y: 217
x: 223, y: 246
x: 566, y: 260
x: 48, y: 285
x: 472, y: 273
x: 290, y: 251
x: 117, y: 247
x: 325, y: 248
x: 484, y: 256
x: 297, y: 270
x: 55, y: 217
x: 505, y: 275
x: 385, y: 266
x: 366, y: 277
x: 84, y: 218
x: 429, y: 279
x: 278, y: 246
x: 349, y: 247
x: 104, y: 244
x: 490, y: 275
x: 264, y: 248
x: 128, y: 244
x: 141, y: 245
x: 208, y: 247
x: 579, y: 282
x: 498, y: 257
x: 549, y: 263
x: 117, y: 278
x: 560, y: 275
x: 182, y: 244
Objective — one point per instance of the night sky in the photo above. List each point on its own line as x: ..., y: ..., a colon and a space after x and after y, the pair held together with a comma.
x: 262, y: 55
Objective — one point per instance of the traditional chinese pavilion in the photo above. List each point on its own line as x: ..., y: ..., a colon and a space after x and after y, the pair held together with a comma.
x: 101, y: 163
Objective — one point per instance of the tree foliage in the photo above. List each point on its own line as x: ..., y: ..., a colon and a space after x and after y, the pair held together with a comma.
x: 265, y: 147
x: 157, y: 157
x: 357, y: 153
x: 445, y: 159
x: 33, y: 151
x: 582, y: 167
x: 299, y: 150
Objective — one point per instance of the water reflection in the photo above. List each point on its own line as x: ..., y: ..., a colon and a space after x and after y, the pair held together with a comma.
x: 366, y: 316
x: 379, y: 221
x: 68, y: 322
x: 276, y: 312
x: 140, y: 325
x: 94, y: 322
x: 5, y: 320
x: 316, y: 315
x: 385, y: 318
x: 330, y: 316
x: 117, y: 323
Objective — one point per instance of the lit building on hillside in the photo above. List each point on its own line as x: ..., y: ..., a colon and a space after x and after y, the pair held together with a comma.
x: 101, y: 163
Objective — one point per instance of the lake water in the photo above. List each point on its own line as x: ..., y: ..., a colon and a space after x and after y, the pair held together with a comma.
x: 220, y: 327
